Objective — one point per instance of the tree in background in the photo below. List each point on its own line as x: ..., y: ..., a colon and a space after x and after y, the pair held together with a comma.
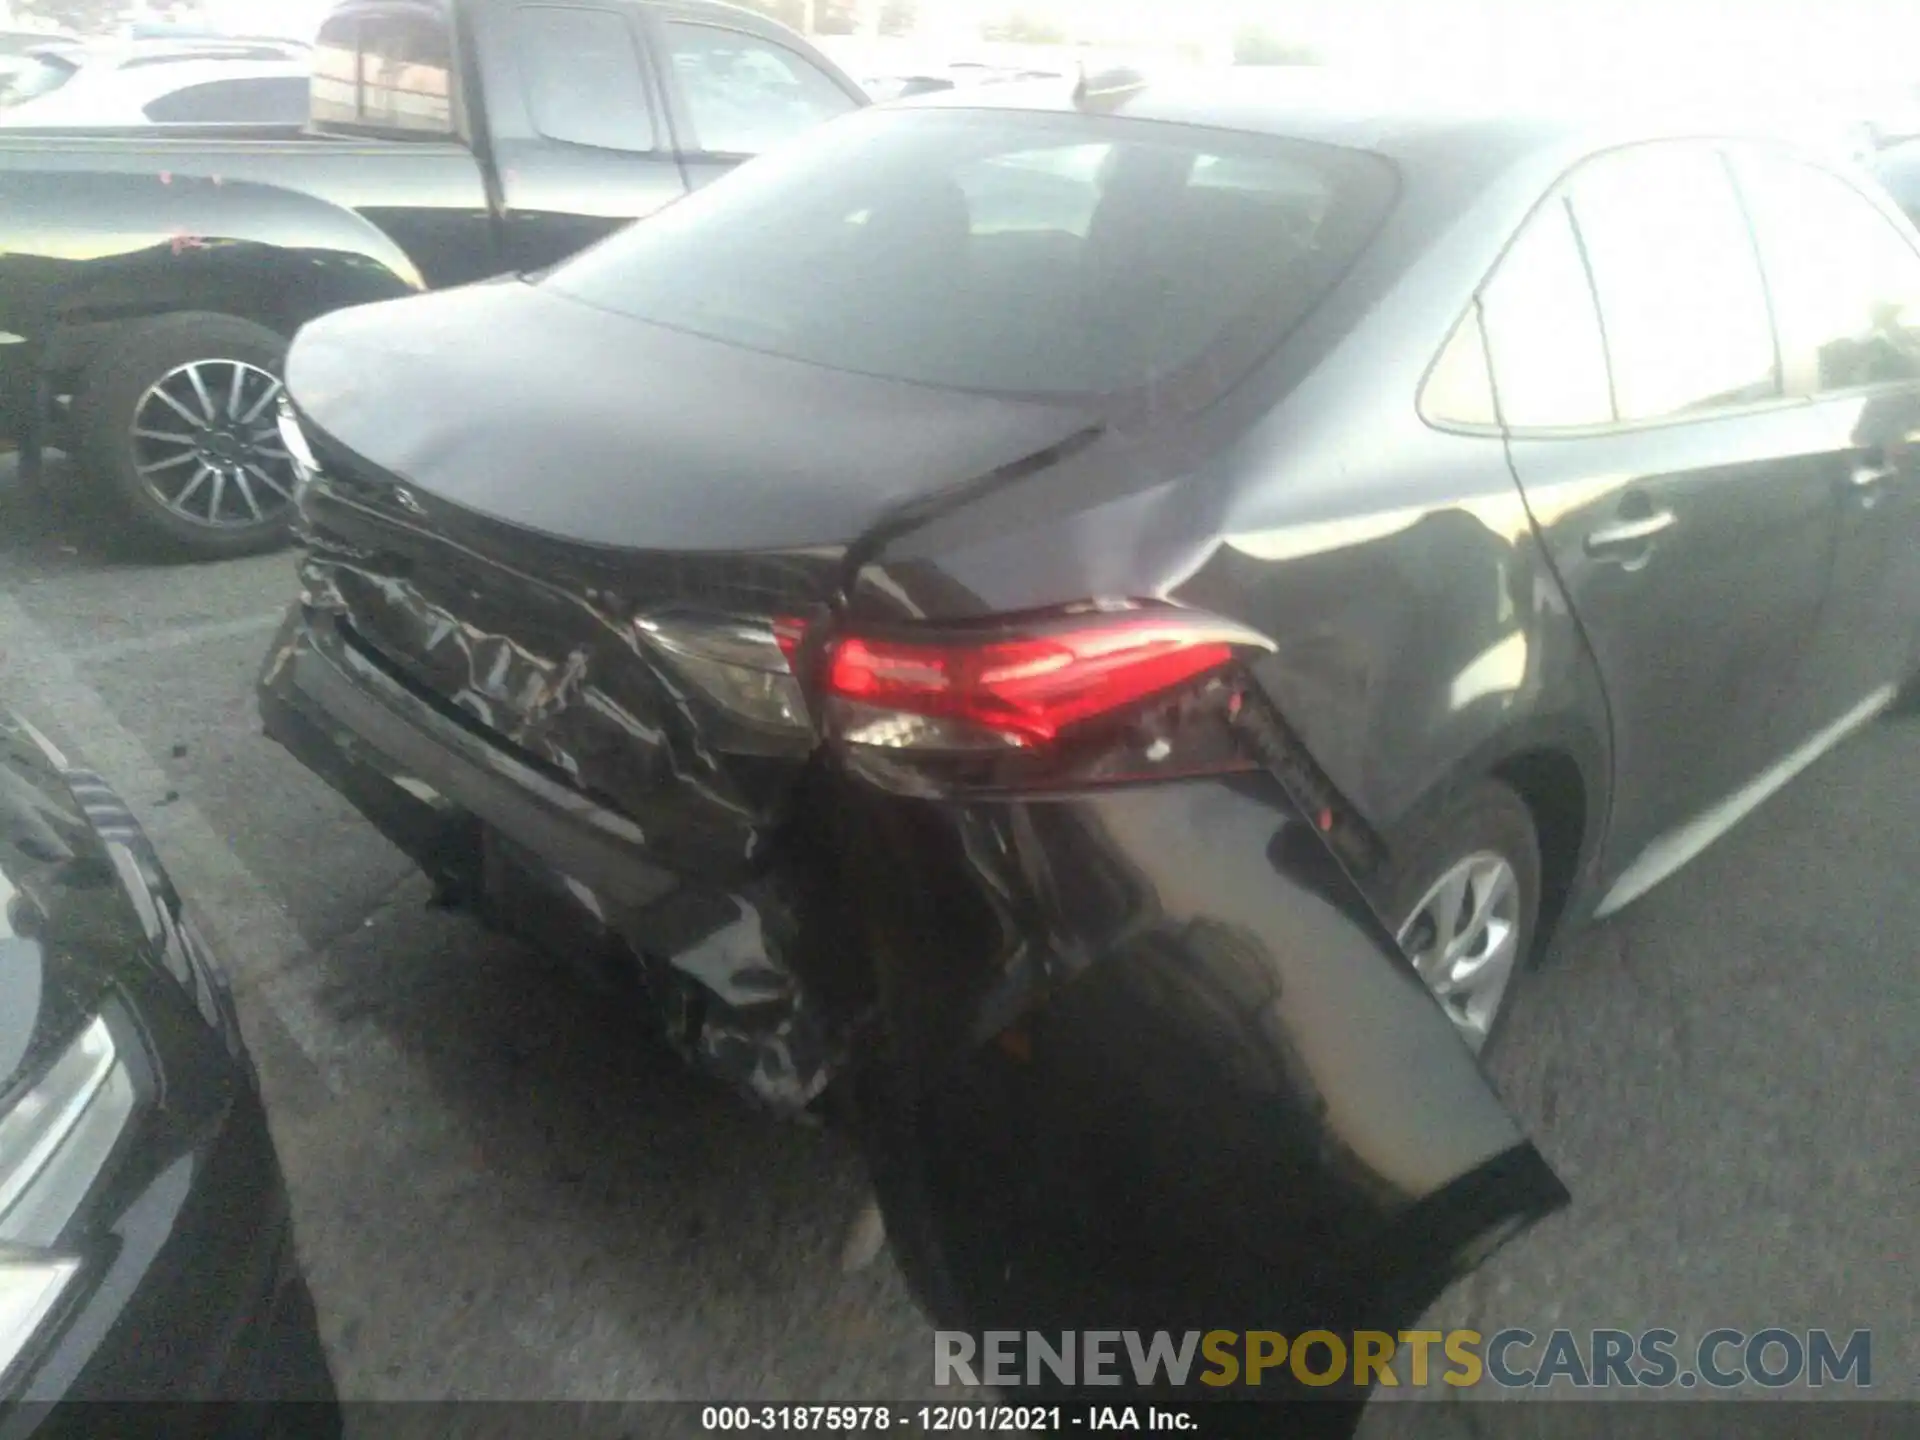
x: 1257, y: 45
x: 899, y: 17
x: 1019, y: 29
x: 787, y: 12
x: 837, y: 17
x: 82, y: 17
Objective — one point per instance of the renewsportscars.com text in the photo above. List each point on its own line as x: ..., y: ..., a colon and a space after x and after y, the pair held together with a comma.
x: 1722, y: 1359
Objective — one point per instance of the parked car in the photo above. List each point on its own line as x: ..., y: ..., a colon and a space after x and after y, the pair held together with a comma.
x: 99, y: 69
x: 22, y: 42
x: 146, y: 1252
x: 1151, y: 675
x: 181, y: 91
x: 136, y: 272
x: 904, y: 87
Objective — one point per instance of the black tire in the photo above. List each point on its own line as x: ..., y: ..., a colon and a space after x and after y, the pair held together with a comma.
x: 114, y: 388
x: 1481, y: 815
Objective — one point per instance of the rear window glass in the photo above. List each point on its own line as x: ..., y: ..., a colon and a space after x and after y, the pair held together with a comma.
x: 1009, y: 252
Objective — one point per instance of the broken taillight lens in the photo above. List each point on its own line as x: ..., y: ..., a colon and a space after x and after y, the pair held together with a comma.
x: 742, y: 666
x: 1017, y: 690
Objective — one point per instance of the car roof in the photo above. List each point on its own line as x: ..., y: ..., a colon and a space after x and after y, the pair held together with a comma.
x: 108, y: 96
x: 1481, y: 132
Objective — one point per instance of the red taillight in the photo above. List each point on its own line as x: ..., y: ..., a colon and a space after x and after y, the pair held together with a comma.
x: 1025, y: 690
x: 787, y: 634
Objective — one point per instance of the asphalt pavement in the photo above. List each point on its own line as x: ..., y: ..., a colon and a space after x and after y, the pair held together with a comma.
x: 502, y: 1191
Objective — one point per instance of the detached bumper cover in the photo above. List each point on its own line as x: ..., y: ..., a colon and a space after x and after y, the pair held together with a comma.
x: 1157, y: 1065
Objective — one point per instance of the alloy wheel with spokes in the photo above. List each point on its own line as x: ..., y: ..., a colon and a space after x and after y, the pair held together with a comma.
x: 1464, y: 937
x: 206, y: 444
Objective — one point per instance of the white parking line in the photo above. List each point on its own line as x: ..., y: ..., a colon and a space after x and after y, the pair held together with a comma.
x: 174, y: 637
x: 592, y: 1356
x: 42, y: 681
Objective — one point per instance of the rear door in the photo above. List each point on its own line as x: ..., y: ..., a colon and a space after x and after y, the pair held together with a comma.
x: 1844, y: 273
x: 580, y: 138
x: 1685, y: 499
x: 736, y: 94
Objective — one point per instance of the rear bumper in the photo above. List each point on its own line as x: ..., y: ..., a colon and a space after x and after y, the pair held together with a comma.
x: 422, y: 777
x: 548, y: 864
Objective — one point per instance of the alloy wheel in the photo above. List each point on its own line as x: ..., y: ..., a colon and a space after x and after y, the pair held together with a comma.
x: 1464, y: 940
x: 206, y: 444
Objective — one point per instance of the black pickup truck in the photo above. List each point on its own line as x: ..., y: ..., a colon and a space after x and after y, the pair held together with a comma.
x: 150, y: 279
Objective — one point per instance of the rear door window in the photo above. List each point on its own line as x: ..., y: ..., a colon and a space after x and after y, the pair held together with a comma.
x: 1845, y: 280
x: 745, y: 95
x: 584, y: 82
x: 1682, y: 302
x: 1543, y: 334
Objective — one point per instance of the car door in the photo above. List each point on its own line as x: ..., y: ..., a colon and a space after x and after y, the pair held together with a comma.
x: 1844, y: 273
x: 580, y: 138
x: 1685, y: 500
x: 734, y: 94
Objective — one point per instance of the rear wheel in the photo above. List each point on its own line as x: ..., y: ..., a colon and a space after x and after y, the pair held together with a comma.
x: 1465, y: 896
x: 178, y: 422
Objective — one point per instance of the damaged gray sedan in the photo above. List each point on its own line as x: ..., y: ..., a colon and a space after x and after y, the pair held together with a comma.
x: 1017, y: 625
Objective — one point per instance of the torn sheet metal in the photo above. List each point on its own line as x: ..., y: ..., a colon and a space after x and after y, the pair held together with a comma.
x: 757, y: 1029
x: 551, y: 662
x: 712, y: 963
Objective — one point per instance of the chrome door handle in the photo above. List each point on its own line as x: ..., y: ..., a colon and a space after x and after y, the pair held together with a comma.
x: 1628, y: 534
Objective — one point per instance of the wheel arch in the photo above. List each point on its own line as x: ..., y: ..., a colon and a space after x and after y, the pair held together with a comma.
x: 1558, y: 766
x: 262, y: 289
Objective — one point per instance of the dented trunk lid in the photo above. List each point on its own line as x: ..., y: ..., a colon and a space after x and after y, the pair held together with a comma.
x: 512, y: 482
x: 543, y: 413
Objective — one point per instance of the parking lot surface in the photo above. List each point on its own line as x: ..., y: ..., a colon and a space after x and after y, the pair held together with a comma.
x: 503, y: 1191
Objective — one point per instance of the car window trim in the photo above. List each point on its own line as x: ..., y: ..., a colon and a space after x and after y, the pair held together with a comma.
x: 1806, y: 364
x: 1717, y: 147
x: 691, y: 147
x: 1476, y: 317
x: 459, y: 123
x: 1557, y: 191
x: 663, y: 136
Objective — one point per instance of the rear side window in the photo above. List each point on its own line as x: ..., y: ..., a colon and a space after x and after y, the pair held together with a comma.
x: 1004, y: 251
x: 583, y: 78
x: 745, y: 95
x: 258, y: 100
x: 1459, y: 389
x: 1543, y: 330
x: 385, y: 70
x: 1682, y: 303
x: 1845, y: 281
